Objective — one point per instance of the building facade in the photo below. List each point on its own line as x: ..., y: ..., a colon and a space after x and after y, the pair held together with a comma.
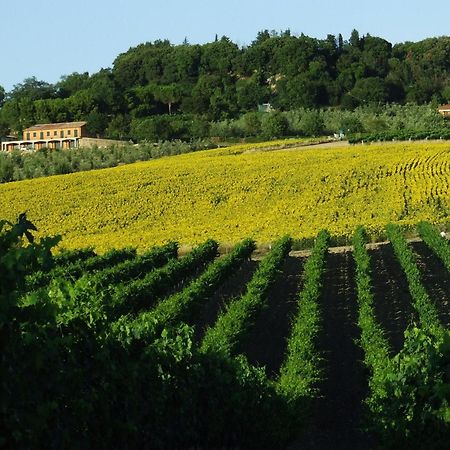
x: 444, y: 110
x: 49, y: 135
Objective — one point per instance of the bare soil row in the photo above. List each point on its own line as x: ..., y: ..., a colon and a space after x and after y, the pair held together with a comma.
x: 337, y: 417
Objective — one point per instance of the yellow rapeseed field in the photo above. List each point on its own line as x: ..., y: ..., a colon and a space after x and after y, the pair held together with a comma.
x: 229, y: 194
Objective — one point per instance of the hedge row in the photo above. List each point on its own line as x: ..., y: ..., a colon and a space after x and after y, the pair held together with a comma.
x: 399, y: 136
x: 184, y: 305
x: 426, y: 309
x: 300, y: 370
x: 132, y: 297
x: 239, y: 315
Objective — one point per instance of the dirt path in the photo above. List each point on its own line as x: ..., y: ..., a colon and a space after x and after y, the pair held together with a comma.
x: 392, y: 300
x: 319, y: 146
x: 336, y: 419
x: 265, y: 345
x: 436, y: 279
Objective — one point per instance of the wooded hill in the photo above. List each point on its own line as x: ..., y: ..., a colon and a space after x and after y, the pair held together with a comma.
x: 162, y: 91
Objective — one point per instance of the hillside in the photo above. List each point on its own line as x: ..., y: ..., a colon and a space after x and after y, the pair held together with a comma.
x: 230, y: 194
x: 160, y: 91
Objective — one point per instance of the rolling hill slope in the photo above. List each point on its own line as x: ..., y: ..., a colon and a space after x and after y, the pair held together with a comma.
x: 229, y: 194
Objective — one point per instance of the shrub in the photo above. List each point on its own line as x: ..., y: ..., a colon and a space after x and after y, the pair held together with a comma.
x: 274, y: 125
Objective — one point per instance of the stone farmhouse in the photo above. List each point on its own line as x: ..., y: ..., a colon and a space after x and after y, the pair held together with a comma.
x: 49, y: 135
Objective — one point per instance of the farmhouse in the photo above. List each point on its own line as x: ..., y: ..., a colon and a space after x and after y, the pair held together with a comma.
x: 50, y: 135
x: 444, y: 110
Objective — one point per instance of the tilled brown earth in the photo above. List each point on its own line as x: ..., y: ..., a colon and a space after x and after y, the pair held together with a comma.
x: 265, y: 344
x: 435, y: 278
x: 392, y: 300
x: 336, y: 418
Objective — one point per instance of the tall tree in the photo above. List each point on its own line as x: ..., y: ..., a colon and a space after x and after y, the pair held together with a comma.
x: 167, y: 94
x: 2, y: 95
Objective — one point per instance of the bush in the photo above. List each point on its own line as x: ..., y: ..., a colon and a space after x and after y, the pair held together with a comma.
x: 412, y: 404
x: 312, y: 124
x: 6, y: 168
x: 252, y: 123
x: 274, y: 125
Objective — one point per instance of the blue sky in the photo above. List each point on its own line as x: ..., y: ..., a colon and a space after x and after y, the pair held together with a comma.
x: 51, y: 38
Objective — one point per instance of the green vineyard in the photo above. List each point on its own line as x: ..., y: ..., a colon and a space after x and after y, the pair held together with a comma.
x: 333, y: 348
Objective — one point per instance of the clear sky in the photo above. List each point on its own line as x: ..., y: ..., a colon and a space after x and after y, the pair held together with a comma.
x: 51, y: 38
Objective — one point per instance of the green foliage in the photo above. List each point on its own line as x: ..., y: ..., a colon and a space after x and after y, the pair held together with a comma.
x: 370, y: 90
x: 421, y: 301
x: 409, y: 394
x: 221, y: 81
x: 6, y: 168
x: 313, y: 124
x: 434, y: 240
x: 2, y: 97
x: 18, y: 260
x: 66, y: 375
x: 252, y: 124
x: 74, y: 385
x: 79, y: 267
x: 274, y: 125
x: 240, y: 313
x: 404, y: 135
x: 137, y: 267
x: 66, y: 257
x: 412, y: 410
x: 143, y: 293
x: 373, y: 340
x: 300, y: 370
x: 184, y: 305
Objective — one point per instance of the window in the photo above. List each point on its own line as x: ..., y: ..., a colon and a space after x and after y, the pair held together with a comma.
x: 41, y: 135
x: 61, y: 134
x: 34, y: 134
x: 48, y: 133
x: 55, y: 133
x: 75, y: 133
x: 68, y: 132
x: 28, y: 136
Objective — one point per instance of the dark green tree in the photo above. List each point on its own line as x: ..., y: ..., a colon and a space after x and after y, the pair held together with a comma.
x: 2, y: 95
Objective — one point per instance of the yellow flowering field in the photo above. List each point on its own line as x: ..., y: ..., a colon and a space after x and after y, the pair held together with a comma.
x: 231, y: 193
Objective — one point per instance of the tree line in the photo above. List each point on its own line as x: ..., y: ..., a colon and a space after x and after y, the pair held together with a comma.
x: 158, y: 90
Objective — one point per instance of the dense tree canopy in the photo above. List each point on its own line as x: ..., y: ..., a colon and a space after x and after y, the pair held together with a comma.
x: 220, y: 80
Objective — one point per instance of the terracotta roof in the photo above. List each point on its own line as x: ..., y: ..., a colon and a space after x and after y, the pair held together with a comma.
x: 53, y: 126
x: 444, y: 107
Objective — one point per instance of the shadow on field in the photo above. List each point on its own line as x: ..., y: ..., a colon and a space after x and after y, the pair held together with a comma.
x: 393, y: 303
x: 233, y: 287
x: 265, y: 344
x: 436, y: 279
x: 336, y: 417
